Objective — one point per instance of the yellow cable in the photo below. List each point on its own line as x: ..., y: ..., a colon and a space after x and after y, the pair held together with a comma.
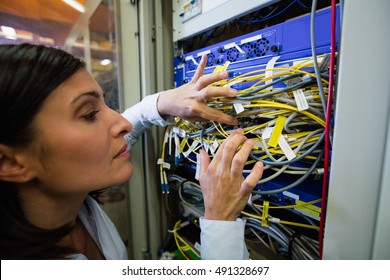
x: 290, y: 206
x: 280, y: 221
x: 186, y: 246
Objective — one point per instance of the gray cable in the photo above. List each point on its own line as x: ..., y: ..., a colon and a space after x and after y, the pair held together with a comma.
x: 297, y: 182
x: 302, y: 156
x: 292, y: 102
x: 260, y: 88
x: 314, y: 54
x: 289, y: 88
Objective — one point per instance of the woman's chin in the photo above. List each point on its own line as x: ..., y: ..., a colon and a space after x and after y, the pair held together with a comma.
x: 123, y: 176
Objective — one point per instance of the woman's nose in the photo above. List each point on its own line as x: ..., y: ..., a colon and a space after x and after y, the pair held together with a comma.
x: 122, y: 126
x: 127, y: 127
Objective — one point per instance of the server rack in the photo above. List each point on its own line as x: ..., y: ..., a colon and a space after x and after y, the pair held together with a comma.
x: 351, y: 230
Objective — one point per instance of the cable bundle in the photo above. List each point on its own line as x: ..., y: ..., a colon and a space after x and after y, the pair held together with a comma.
x: 279, y: 108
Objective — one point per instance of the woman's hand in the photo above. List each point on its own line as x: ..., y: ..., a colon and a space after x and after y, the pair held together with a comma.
x: 189, y: 101
x: 225, y: 191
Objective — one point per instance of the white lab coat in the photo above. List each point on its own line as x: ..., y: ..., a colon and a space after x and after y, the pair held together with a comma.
x: 102, y: 230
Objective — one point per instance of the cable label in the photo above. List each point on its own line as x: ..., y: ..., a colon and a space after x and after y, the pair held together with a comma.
x: 277, y: 131
x: 300, y: 100
x: 269, y: 73
x: 238, y: 108
x: 288, y: 152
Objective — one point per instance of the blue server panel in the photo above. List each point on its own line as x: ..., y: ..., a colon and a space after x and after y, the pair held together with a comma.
x: 289, y: 40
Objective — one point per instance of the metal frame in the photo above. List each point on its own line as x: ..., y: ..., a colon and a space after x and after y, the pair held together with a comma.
x: 356, y: 223
x: 219, y: 12
x: 145, y: 51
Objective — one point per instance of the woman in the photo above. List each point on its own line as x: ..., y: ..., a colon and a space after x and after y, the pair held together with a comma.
x: 60, y: 145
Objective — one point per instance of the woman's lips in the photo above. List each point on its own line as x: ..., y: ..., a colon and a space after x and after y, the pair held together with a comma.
x: 124, y: 152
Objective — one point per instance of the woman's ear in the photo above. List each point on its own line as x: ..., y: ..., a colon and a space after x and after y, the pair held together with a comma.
x: 12, y: 167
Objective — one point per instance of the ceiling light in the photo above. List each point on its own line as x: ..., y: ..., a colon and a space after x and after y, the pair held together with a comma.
x: 8, y: 32
x: 75, y: 5
x: 105, y: 62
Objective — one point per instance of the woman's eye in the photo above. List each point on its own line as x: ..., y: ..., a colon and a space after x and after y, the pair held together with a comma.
x: 91, y: 116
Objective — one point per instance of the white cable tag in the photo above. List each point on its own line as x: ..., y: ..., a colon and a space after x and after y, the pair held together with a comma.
x: 177, y: 146
x: 187, y: 153
x: 197, y: 246
x: 234, y: 45
x: 232, y: 83
x: 267, y: 132
x: 238, y: 107
x: 269, y: 73
x: 289, y: 153
x: 206, y: 146
x: 249, y: 202
x: 258, y: 144
x: 300, y: 99
x: 240, y: 50
x: 214, y: 146
x: 194, y: 147
x: 179, y: 131
x: 170, y: 141
x: 167, y: 137
x: 291, y: 195
x: 197, y: 172
x: 166, y: 165
x: 192, y: 59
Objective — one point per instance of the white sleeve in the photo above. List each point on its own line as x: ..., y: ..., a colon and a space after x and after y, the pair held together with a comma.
x: 223, y: 240
x: 142, y: 116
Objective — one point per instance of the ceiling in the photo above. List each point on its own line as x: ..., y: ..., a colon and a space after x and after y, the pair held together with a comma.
x: 54, y: 10
x: 46, y: 21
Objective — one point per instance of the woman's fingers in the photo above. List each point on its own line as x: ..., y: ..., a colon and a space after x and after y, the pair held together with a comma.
x: 207, y: 113
x: 200, y: 69
x: 224, y: 188
x: 204, y: 162
x: 209, y: 79
x: 253, y: 178
x: 214, y: 92
x: 241, y: 157
x: 229, y: 153
x: 221, y: 153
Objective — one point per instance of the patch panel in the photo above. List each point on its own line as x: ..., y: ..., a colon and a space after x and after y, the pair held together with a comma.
x: 289, y: 41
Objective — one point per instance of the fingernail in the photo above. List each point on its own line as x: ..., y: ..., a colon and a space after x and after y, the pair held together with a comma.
x: 260, y: 164
x: 240, y: 130
x: 223, y: 74
x: 232, y: 91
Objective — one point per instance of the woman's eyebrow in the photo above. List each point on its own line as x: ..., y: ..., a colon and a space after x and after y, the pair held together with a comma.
x: 91, y: 93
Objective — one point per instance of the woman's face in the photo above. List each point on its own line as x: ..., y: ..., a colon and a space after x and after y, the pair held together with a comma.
x: 79, y: 142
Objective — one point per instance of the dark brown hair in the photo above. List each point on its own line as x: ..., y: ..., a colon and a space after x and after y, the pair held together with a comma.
x: 28, y: 75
